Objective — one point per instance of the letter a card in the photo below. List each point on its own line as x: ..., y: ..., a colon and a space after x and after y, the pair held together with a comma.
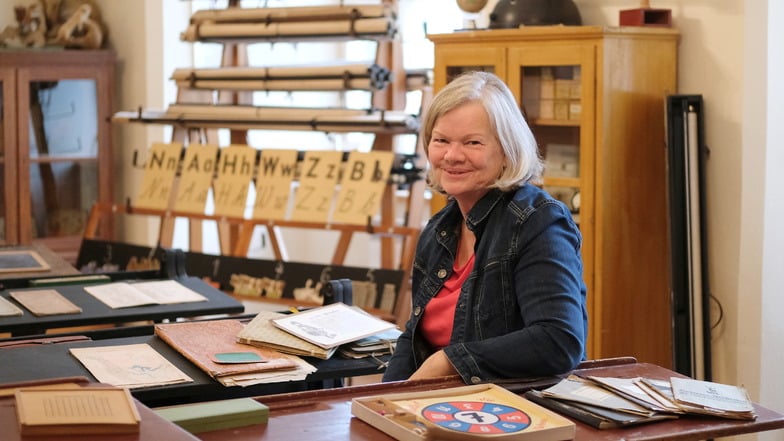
x: 198, y: 169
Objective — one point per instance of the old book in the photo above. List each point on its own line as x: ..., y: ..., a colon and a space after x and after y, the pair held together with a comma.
x: 152, y: 426
x: 710, y: 398
x: 81, y: 410
x: 594, y: 416
x: 202, y: 341
x: 574, y: 388
x: 8, y: 309
x: 332, y: 325
x: 71, y: 280
x: 630, y: 389
x: 159, y: 292
x: 216, y: 415
x: 462, y: 413
x: 21, y: 261
x: 261, y: 332
x: 43, y: 302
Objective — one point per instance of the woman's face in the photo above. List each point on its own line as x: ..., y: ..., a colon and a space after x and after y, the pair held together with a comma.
x: 465, y: 154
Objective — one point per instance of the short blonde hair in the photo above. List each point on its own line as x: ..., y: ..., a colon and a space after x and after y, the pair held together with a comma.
x: 523, y: 163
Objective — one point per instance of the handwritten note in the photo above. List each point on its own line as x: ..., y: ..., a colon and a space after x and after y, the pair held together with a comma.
x: 132, y: 366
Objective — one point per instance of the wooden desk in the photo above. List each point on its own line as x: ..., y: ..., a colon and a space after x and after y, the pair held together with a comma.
x: 95, y: 312
x: 326, y: 414
x: 44, y: 361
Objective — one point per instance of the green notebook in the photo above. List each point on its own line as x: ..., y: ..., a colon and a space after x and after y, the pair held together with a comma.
x: 216, y: 415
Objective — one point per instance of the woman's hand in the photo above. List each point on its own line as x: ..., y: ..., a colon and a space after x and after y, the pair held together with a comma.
x: 436, y: 365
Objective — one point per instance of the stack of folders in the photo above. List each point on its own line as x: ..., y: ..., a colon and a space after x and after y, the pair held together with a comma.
x: 212, y: 346
x: 611, y: 402
x: 317, y: 332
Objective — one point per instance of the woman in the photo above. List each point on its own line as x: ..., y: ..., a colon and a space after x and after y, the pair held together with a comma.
x: 497, y: 282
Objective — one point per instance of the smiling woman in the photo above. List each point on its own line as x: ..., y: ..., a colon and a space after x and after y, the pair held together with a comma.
x: 498, y: 269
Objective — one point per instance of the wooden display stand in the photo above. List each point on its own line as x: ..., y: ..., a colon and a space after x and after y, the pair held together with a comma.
x: 235, y: 233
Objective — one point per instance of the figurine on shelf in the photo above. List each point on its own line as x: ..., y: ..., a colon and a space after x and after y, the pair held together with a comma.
x: 69, y: 23
x: 30, y: 30
x: 80, y: 30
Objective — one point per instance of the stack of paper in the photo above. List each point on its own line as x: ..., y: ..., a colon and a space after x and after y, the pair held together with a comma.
x: 377, y: 344
x: 262, y: 333
x: 212, y: 346
x: 317, y: 332
x: 609, y: 402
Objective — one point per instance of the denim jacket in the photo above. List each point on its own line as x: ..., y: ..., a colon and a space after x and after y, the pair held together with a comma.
x: 521, y: 313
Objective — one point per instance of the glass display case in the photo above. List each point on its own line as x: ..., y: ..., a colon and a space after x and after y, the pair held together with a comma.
x: 593, y: 97
x: 56, y: 152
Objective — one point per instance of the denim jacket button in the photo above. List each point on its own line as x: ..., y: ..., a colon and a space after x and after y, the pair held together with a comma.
x: 442, y: 273
x: 476, y: 380
x: 417, y: 310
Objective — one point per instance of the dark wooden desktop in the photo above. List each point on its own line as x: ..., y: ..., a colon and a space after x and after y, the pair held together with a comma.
x: 95, y: 312
x: 326, y: 414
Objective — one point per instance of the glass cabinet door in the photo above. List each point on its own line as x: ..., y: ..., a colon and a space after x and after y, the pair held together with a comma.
x: 451, y: 62
x: 554, y: 85
x: 555, y: 92
x: 63, y: 156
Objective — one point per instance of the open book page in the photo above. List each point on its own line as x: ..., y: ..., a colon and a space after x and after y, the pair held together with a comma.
x: 332, y: 325
x: 9, y: 309
x: 133, y: 366
x: 166, y: 292
x: 126, y: 295
x: 42, y: 302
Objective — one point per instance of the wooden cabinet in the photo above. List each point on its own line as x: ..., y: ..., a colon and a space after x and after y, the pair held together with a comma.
x: 594, y: 98
x: 55, y: 158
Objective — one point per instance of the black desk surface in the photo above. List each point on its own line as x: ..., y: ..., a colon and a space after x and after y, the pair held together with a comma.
x: 54, y: 360
x: 95, y: 312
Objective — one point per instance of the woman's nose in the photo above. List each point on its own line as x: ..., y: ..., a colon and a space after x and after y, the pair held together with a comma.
x: 454, y: 151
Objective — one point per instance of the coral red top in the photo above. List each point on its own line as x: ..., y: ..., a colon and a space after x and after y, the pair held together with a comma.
x: 440, y: 311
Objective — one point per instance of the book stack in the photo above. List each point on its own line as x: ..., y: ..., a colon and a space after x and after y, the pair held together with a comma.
x: 319, y: 332
x: 611, y: 402
x: 212, y: 346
